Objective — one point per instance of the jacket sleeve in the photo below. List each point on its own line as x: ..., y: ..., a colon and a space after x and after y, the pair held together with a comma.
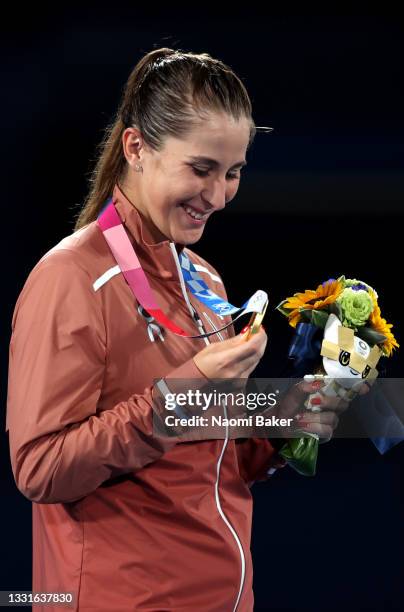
x: 60, y: 448
x: 258, y: 458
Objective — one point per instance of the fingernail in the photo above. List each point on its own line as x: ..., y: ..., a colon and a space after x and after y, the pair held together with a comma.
x: 317, y: 384
x: 244, y: 329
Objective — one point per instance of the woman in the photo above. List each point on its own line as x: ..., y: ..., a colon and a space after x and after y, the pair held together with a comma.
x: 124, y: 519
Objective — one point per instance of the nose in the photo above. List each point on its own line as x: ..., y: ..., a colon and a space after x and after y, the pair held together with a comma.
x: 215, y: 194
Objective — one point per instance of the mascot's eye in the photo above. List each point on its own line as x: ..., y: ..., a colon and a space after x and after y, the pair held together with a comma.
x: 366, y: 371
x: 344, y: 357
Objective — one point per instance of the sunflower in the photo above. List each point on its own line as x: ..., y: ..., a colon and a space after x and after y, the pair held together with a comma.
x: 325, y: 294
x: 379, y: 324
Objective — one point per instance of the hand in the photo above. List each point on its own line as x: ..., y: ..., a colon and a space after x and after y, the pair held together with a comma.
x: 233, y: 358
x: 321, y: 423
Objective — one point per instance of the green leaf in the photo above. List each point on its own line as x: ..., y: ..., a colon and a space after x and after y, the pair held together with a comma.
x: 319, y: 318
x: 335, y: 308
x: 306, y: 314
x: 284, y: 311
x: 371, y: 336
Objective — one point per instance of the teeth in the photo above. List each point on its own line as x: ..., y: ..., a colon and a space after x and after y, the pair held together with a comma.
x: 194, y: 214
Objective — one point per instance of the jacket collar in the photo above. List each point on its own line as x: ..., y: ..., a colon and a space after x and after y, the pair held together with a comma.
x: 157, y: 259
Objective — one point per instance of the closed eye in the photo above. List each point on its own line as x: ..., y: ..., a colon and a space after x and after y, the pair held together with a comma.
x: 206, y: 172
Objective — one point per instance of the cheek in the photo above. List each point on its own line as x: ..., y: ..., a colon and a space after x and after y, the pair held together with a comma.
x: 177, y: 190
x: 190, y: 190
x: 187, y: 194
x: 232, y: 189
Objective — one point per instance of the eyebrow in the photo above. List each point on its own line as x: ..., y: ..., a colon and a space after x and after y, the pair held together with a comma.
x: 214, y: 162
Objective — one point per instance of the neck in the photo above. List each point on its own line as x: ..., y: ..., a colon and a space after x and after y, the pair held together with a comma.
x: 150, y: 233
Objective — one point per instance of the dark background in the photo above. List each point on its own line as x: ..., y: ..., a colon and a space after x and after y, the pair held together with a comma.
x: 321, y: 196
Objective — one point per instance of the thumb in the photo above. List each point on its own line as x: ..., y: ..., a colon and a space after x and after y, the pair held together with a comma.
x: 240, y: 336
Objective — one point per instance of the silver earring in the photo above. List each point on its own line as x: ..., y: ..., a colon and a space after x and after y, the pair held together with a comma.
x: 138, y: 168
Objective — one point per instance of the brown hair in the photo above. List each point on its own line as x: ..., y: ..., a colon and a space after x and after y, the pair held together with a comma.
x: 165, y: 94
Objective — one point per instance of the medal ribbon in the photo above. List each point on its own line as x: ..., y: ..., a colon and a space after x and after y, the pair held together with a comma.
x: 124, y: 253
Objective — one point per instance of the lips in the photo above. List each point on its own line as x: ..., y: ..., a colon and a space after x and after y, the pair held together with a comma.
x: 204, y: 214
x: 201, y: 212
x: 193, y: 220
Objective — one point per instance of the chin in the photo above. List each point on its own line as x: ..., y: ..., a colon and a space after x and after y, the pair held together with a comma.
x: 186, y: 238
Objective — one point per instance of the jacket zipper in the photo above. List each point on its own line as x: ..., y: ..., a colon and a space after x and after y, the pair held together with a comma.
x: 199, y: 323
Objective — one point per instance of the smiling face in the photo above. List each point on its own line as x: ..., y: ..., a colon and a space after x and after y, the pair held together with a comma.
x: 176, y: 183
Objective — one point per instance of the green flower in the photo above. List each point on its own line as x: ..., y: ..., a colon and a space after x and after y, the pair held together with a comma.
x: 356, y: 306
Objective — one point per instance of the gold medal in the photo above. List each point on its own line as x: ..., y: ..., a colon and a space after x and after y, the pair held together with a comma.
x: 255, y: 322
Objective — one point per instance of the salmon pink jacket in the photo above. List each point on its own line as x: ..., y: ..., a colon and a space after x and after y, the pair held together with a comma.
x: 124, y: 520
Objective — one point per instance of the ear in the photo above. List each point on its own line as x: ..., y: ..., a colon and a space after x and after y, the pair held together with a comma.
x: 133, y: 145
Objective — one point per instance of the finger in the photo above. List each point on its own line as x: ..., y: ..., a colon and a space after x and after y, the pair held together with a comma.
x: 259, y: 340
x: 326, y: 417
x: 255, y: 343
x: 304, y: 387
x: 292, y: 400
x: 237, y: 353
x: 247, y: 357
x: 251, y: 366
x: 243, y: 368
x: 321, y: 429
x: 335, y: 403
x: 325, y: 438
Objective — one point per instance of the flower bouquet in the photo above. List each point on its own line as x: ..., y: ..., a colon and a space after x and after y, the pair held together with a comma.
x: 341, y: 322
